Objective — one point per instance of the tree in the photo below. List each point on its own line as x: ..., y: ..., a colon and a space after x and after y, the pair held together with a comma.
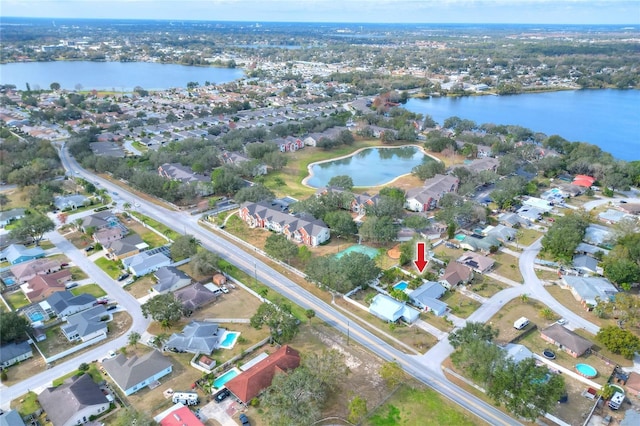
x: 357, y: 409
x: 54, y: 86
x: 625, y: 306
x: 428, y: 169
x: 280, y: 247
x: 163, y: 308
x: 470, y: 332
x: 392, y: 374
x: 378, y: 229
x: 254, y: 194
x: 204, y: 262
x: 619, y: 341
x: 342, y: 181
x: 128, y: 416
x: 32, y: 226
x: 133, y: 338
x: 183, y: 247
x: 225, y: 181
x: 278, y: 317
x: 13, y: 327
x: 480, y: 359
x: 328, y: 367
x: 341, y: 223
x: 294, y: 399
x: 564, y: 236
x: 525, y: 389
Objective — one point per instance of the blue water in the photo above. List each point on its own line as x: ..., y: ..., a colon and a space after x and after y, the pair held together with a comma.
x: 586, y: 370
x: 402, y: 285
x: 36, y: 316
x: 229, y: 339
x: 370, y: 166
x: 117, y: 76
x: 460, y: 237
x: 371, y: 252
x: 220, y: 381
x: 608, y: 118
x: 8, y: 281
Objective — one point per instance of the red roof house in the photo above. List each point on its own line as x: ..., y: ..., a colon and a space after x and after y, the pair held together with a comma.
x: 181, y: 417
x: 250, y: 383
x: 583, y: 180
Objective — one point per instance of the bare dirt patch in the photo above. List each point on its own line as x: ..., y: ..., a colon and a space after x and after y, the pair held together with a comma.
x: 141, y: 287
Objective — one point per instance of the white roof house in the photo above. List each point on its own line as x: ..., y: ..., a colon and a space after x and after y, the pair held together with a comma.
x: 588, y: 290
x: 389, y: 309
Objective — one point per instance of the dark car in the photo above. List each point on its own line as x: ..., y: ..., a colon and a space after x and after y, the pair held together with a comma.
x: 123, y: 276
x: 112, y: 307
x: 222, y: 395
x: 89, y: 248
x: 244, y: 420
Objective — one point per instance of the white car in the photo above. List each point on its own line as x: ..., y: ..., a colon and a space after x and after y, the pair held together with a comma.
x: 224, y: 289
x: 562, y: 321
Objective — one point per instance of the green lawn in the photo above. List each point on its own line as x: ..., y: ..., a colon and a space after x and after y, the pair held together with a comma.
x: 27, y: 404
x: 419, y: 407
x: 461, y: 306
x: 153, y: 239
x: 111, y: 267
x: 156, y: 225
x: 92, y: 289
x: 17, y: 299
x: 93, y: 372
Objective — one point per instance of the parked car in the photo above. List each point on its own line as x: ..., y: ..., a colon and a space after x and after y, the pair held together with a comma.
x: 71, y: 285
x: 123, y: 276
x: 244, y: 420
x: 112, y: 307
x: 89, y: 248
x: 224, y: 289
x: 222, y: 395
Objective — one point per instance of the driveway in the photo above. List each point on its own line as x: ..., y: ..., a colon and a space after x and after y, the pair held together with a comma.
x: 222, y: 413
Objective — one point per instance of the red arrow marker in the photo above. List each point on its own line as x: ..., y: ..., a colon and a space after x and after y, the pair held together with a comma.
x: 421, y: 257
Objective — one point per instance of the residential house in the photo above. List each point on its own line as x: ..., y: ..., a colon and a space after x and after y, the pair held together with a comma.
x: 8, y: 216
x: 70, y: 202
x: 426, y: 297
x: 78, y: 400
x: 530, y: 214
x: 126, y: 247
x: 100, y: 220
x: 136, y: 373
x: 612, y: 216
x: 289, y: 144
x: 538, y: 203
x: 427, y: 197
x: 598, y: 235
x: 517, y: 352
x: 630, y: 208
x: 501, y: 233
x: 357, y: 203
x: 170, y: 278
x: 482, y: 164
x: 456, y: 273
x: 144, y: 263
x: 583, y: 180
x: 107, y: 149
x: 300, y: 228
x: 11, y: 418
x: 195, y: 296
x: 588, y: 290
x: 250, y: 383
x: 512, y: 220
x: 389, y: 309
x: 17, y: 253
x: 477, y: 262
x: 87, y: 325
x: 565, y: 339
x: 633, y: 384
x: 13, y: 352
x: 23, y: 272
x: 64, y: 303
x: 40, y: 287
x: 178, y: 415
x: 197, y: 337
x: 586, y: 264
x: 106, y: 236
x: 590, y: 249
x: 180, y: 173
x: 477, y: 242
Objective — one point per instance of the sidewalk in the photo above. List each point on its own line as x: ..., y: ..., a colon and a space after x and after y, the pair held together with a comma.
x: 472, y: 295
x: 439, y: 334
x: 502, y: 279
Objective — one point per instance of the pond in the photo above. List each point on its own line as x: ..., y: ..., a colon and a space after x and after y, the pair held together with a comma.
x: 368, y: 166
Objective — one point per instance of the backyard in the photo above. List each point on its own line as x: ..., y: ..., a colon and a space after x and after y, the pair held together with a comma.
x: 16, y: 299
x: 486, y: 286
x: 141, y: 286
x: 111, y: 267
x: 460, y: 305
x: 92, y: 289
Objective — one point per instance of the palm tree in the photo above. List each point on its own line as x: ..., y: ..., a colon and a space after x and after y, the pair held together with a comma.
x: 78, y: 224
x: 127, y: 205
x: 134, y: 338
x: 524, y: 298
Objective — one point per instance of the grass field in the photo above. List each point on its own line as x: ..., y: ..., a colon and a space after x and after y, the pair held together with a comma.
x: 17, y: 299
x: 111, y: 267
x: 461, y: 306
x: 92, y: 289
x: 419, y: 407
x: 93, y: 372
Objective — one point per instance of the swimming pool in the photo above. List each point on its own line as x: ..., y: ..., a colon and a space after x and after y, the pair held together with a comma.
x: 36, y: 316
x: 359, y: 248
x: 220, y: 381
x: 229, y: 339
x: 586, y: 370
x: 8, y: 281
x: 402, y: 285
x: 460, y: 237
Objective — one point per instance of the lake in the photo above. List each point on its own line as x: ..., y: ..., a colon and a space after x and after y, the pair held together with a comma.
x: 116, y: 76
x: 369, y: 166
x: 608, y: 118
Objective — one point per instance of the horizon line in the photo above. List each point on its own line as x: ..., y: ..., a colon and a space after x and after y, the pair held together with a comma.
x: 625, y: 25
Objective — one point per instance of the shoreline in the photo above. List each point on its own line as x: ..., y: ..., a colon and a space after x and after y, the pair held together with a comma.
x: 310, y: 165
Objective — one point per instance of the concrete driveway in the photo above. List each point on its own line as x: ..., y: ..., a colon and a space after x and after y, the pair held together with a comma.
x: 221, y: 412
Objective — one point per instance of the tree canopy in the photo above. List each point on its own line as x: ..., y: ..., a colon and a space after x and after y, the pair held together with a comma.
x: 619, y: 341
x: 342, y: 181
x: 278, y: 317
x: 32, y: 226
x: 183, y: 247
x: 564, y: 236
x: 163, y: 308
x: 13, y: 327
x: 342, y: 274
x: 280, y: 247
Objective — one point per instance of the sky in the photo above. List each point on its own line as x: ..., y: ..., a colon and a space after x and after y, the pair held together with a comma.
x: 626, y: 12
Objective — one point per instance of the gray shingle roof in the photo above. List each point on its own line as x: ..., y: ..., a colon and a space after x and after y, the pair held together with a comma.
x: 13, y: 350
x: 66, y: 400
x: 61, y: 300
x: 129, y: 372
x: 197, y: 337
